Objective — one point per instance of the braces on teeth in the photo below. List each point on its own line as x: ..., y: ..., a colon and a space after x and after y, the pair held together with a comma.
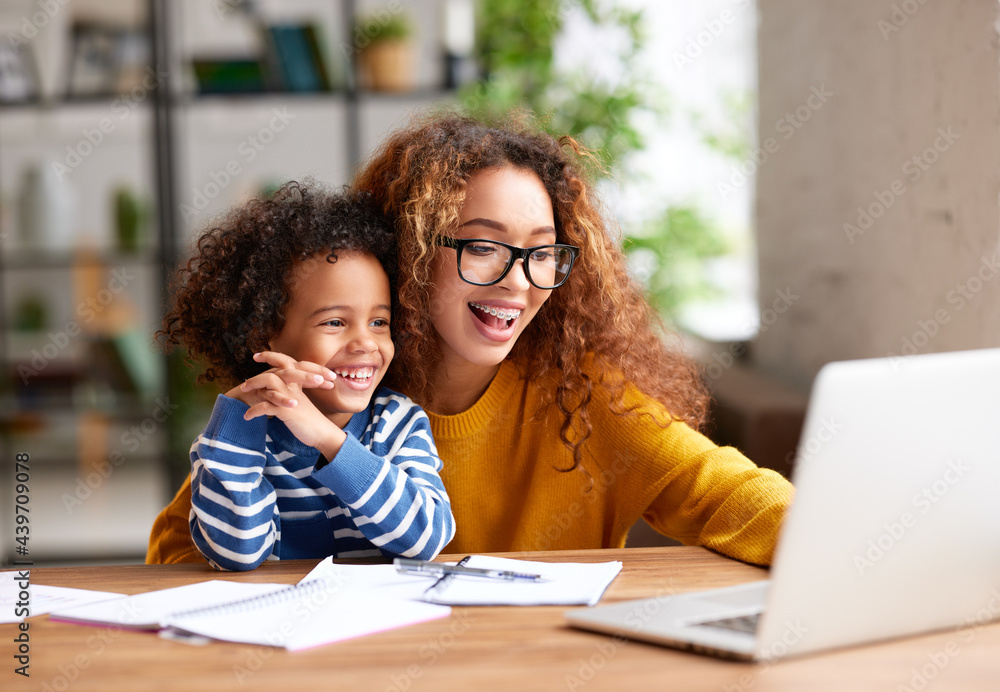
x: 495, y: 312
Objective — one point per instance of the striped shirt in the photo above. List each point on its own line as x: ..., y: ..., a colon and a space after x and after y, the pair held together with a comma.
x: 257, y: 495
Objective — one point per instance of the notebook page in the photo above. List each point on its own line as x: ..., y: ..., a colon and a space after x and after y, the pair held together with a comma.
x: 316, y: 617
x: 565, y: 583
x: 573, y: 583
x: 43, y: 599
x: 146, y: 610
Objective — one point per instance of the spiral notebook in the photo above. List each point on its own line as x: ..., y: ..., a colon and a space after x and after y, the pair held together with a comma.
x: 310, y: 613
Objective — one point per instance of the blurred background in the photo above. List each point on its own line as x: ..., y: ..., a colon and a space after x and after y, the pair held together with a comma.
x: 794, y: 183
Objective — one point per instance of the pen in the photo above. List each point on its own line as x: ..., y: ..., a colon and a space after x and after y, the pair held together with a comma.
x: 410, y: 566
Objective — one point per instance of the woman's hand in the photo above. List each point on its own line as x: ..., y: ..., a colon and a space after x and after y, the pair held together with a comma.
x: 279, y: 393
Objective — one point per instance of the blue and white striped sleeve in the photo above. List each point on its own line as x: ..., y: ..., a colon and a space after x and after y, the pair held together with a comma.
x: 397, y: 500
x: 234, y: 514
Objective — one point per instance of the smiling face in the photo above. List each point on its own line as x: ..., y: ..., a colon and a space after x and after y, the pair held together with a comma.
x: 338, y: 316
x: 478, y: 325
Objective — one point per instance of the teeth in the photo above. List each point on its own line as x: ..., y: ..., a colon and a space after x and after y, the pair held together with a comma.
x: 359, y: 374
x: 496, y: 312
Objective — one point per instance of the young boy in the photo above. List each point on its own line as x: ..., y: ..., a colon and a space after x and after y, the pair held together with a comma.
x: 289, y: 300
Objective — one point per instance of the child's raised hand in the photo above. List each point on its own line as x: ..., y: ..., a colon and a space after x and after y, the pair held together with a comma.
x: 291, y: 373
x: 279, y: 392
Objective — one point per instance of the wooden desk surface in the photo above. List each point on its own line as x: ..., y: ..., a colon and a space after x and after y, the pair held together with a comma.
x: 506, y: 648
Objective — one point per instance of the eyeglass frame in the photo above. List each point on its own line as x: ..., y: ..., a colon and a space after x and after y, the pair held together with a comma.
x: 516, y: 253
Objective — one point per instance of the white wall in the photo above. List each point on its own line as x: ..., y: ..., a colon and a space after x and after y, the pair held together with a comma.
x: 874, y: 85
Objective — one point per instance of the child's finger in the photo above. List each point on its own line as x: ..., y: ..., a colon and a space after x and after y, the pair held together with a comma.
x: 284, y: 362
x: 268, y: 386
x: 267, y: 408
x: 278, y: 360
x: 279, y: 398
x: 316, y: 369
x: 265, y: 380
x: 256, y: 411
x: 303, y: 379
x: 262, y: 409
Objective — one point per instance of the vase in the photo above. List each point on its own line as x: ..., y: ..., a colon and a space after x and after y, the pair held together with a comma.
x: 47, y: 210
x: 387, y: 66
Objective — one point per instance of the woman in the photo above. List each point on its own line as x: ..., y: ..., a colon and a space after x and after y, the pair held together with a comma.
x: 559, y: 413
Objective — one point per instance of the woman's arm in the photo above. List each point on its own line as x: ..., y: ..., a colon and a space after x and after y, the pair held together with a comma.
x: 397, y: 499
x: 687, y: 487
x: 719, y: 499
x: 235, y: 517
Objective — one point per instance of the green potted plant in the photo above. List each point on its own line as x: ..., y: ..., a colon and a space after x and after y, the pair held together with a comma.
x: 386, y: 55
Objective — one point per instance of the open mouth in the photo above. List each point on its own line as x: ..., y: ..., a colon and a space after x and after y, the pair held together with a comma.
x: 495, y: 318
x: 356, y: 377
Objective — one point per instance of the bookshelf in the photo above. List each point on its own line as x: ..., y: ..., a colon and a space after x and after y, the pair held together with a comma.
x: 106, y: 416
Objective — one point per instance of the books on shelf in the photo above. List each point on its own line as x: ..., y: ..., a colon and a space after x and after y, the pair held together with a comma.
x: 107, y: 59
x: 237, y: 75
x: 292, y: 60
x: 295, y: 58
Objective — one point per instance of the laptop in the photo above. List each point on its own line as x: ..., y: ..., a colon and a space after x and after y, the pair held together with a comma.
x: 894, y: 529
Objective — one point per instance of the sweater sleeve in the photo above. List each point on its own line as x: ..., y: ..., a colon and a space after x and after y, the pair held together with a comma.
x: 170, y: 536
x: 692, y: 490
x: 719, y: 499
x: 235, y: 515
x: 397, y: 500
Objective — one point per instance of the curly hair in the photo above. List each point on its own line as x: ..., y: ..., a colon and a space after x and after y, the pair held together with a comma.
x: 229, y: 298
x: 600, y: 315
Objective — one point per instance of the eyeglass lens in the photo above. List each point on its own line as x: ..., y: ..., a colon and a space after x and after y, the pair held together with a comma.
x: 485, y: 262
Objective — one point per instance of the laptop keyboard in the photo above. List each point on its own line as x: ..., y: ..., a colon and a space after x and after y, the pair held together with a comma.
x: 744, y: 623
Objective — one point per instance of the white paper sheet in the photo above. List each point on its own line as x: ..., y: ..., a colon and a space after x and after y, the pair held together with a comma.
x: 148, y: 610
x: 566, y: 583
x: 42, y: 599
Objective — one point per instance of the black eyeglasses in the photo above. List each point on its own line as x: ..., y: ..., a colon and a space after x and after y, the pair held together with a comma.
x: 486, y: 262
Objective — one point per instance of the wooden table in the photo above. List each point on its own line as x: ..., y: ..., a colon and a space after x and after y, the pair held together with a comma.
x: 484, y: 648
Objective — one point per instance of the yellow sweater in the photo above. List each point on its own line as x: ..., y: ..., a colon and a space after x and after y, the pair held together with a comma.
x: 504, y: 469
